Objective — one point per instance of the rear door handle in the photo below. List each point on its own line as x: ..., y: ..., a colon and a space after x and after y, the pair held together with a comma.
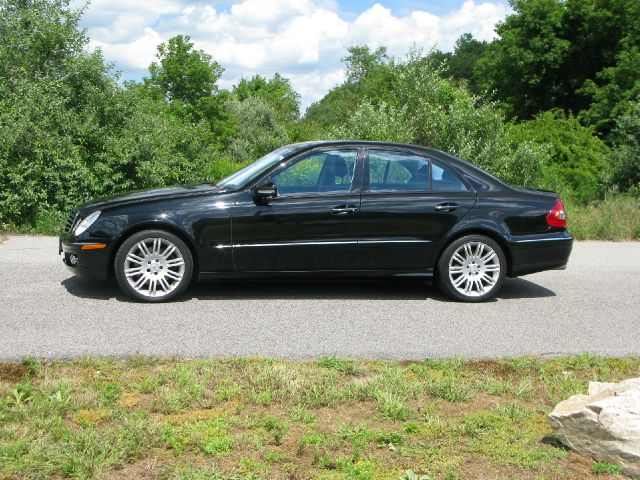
x: 446, y: 207
x: 344, y: 210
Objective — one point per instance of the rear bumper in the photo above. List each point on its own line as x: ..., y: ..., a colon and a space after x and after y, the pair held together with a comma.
x: 86, y: 263
x: 535, y: 253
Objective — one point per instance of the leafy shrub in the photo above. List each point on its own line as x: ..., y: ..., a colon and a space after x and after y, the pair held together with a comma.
x: 577, y: 161
x: 625, y: 157
x: 257, y: 129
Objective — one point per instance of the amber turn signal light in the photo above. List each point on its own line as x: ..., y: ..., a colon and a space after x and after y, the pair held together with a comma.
x: 93, y: 246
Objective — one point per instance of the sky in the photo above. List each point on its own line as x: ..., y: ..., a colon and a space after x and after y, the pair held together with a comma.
x: 303, y: 40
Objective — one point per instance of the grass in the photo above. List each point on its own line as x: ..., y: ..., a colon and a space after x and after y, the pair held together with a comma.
x: 615, y: 218
x: 332, y: 418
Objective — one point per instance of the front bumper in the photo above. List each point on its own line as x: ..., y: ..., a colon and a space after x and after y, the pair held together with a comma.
x: 535, y: 253
x: 86, y: 263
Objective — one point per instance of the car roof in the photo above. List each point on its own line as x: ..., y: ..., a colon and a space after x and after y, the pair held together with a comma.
x: 328, y: 143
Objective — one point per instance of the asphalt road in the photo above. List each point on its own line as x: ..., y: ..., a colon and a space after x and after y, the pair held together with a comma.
x: 592, y: 306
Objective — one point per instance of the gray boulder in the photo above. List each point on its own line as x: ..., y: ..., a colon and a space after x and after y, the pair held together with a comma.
x: 604, y: 425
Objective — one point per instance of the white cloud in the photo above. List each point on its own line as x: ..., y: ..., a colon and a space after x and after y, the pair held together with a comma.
x: 301, y: 39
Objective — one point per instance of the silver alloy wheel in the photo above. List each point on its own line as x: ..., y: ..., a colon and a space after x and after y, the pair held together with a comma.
x: 474, y: 269
x: 154, y: 267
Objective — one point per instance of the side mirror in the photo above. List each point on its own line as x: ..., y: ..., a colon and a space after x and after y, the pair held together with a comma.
x: 264, y: 193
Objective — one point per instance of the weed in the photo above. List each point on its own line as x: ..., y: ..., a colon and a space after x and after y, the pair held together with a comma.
x: 342, y: 366
x: 393, y: 407
x: 604, y: 467
x: 450, y: 389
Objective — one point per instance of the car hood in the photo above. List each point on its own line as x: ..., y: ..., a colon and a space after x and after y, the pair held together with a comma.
x: 147, y: 195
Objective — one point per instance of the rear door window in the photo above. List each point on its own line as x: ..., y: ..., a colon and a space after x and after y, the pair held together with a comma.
x: 391, y: 170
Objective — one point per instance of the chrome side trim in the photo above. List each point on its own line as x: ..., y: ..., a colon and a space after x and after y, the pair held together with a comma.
x: 329, y: 242
x: 288, y: 244
x: 543, y: 240
x: 369, y: 242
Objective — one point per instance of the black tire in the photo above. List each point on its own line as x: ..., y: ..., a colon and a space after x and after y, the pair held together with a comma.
x: 474, y: 269
x: 175, y: 287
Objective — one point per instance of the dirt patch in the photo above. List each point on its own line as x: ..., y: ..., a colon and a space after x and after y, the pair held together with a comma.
x: 129, y: 400
x: 13, y: 372
x: 492, y: 367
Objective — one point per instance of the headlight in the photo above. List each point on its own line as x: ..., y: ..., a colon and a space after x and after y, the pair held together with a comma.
x: 86, y: 223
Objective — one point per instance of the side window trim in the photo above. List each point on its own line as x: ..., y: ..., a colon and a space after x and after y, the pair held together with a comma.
x: 356, y: 183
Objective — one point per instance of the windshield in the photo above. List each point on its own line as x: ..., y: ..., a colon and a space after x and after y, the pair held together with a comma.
x: 252, y: 171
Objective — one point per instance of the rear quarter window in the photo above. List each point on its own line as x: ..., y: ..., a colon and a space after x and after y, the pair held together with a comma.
x: 443, y: 179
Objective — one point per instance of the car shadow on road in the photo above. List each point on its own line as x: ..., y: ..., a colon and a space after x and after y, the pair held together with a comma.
x: 307, y: 289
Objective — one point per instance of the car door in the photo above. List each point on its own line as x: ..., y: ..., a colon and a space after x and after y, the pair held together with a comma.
x: 408, y: 205
x: 310, y: 224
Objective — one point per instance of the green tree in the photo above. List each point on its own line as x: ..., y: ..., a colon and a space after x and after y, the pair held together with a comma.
x: 335, y: 106
x: 361, y: 61
x: 276, y: 92
x: 257, y: 130
x: 183, y: 74
x: 572, y: 55
x: 369, y: 74
x: 625, y: 159
x: 524, y: 67
x: 56, y: 109
x: 461, y: 63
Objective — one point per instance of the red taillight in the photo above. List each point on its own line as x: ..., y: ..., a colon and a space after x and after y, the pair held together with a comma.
x: 557, y: 217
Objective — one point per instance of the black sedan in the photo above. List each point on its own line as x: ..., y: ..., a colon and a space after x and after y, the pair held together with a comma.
x: 360, y: 209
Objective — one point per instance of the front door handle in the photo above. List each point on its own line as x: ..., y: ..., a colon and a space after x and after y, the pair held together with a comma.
x: 446, y: 207
x: 344, y: 210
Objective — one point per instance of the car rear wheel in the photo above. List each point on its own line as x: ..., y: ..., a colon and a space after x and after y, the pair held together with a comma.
x: 153, y: 266
x: 472, y: 268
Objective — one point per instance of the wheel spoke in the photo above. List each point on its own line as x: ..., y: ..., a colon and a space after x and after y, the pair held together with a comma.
x: 164, y: 284
x: 132, y: 257
x: 173, y: 275
x: 489, y: 256
x: 132, y: 272
x: 153, y: 286
x: 458, y: 258
x: 156, y: 246
x: 144, y: 248
x: 169, y: 251
x: 486, y: 278
x: 175, y: 262
x: 467, y: 286
x: 140, y: 282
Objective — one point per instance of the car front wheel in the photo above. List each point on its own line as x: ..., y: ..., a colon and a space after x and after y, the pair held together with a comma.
x: 472, y: 268
x: 153, y: 266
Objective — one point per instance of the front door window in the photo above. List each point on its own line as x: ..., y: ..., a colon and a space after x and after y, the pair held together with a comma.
x: 320, y: 172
